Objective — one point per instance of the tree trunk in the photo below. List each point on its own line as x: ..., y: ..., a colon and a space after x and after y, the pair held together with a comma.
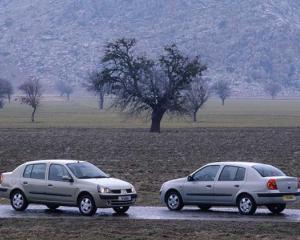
x: 157, y: 115
x: 9, y: 97
x: 68, y: 97
x: 101, y: 100
x: 33, y: 114
x: 195, y: 116
x: 223, y: 101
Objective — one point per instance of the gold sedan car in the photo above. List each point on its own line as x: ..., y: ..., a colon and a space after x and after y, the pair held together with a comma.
x: 66, y: 183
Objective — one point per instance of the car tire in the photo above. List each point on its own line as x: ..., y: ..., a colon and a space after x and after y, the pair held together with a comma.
x: 174, y: 201
x: 204, y: 207
x: 86, y: 205
x: 276, y: 208
x: 52, y: 206
x: 120, y: 210
x: 18, y: 200
x: 246, y: 205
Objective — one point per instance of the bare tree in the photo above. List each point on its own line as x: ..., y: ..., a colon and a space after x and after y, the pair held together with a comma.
x: 64, y: 88
x: 95, y: 83
x: 6, y: 88
x: 144, y: 85
x: 272, y: 89
x: 223, y: 90
x: 196, y: 96
x: 32, y: 90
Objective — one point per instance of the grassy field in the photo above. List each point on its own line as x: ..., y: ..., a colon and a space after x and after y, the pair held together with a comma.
x: 83, y: 112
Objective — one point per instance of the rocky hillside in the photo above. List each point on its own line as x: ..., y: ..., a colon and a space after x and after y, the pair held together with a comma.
x: 240, y: 40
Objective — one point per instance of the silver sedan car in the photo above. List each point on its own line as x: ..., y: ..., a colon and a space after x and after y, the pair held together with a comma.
x: 242, y: 184
x: 66, y: 183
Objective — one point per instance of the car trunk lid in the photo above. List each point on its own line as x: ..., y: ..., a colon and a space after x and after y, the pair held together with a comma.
x: 285, y: 184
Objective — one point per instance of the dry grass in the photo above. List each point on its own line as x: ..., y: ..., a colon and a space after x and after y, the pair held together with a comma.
x: 83, y: 112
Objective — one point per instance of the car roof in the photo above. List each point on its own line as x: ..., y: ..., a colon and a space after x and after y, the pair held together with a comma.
x: 242, y: 164
x: 60, y: 161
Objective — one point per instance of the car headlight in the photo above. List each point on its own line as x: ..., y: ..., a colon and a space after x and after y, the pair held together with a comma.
x: 103, y: 189
x: 133, y: 189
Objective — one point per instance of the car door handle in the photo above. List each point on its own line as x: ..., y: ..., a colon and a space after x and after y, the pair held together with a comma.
x: 25, y: 183
x: 208, y: 186
x: 50, y: 185
x: 237, y: 186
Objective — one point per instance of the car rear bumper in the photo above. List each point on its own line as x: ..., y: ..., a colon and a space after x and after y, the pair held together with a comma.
x: 273, y: 198
x: 114, y: 200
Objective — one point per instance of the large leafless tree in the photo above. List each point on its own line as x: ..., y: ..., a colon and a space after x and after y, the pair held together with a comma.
x: 196, y: 96
x: 141, y: 84
x: 32, y: 90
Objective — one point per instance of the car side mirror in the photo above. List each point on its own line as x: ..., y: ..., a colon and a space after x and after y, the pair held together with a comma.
x: 190, y: 178
x: 108, y: 175
x: 67, y: 179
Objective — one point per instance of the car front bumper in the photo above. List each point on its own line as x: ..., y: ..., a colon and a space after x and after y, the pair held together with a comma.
x: 115, y: 200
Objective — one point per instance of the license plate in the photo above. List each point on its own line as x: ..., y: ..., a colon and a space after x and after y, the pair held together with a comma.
x: 289, y: 198
x: 124, y: 198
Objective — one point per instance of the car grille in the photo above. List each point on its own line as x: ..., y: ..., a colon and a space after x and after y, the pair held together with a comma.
x: 119, y: 191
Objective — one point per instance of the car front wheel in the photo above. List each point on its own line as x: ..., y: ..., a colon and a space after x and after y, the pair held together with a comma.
x: 276, y: 208
x: 246, y: 205
x: 174, y: 201
x: 87, y: 205
x: 120, y: 210
x: 18, y: 201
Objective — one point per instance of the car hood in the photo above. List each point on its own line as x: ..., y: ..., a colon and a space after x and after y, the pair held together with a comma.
x: 176, y: 181
x: 112, y: 183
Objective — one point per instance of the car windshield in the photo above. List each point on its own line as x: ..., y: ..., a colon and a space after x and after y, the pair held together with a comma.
x: 84, y: 170
x: 268, y: 171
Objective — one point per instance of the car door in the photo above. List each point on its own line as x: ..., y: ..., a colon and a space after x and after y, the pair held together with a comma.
x: 230, y: 181
x: 60, y: 185
x: 34, y: 181
x: 200, y: 186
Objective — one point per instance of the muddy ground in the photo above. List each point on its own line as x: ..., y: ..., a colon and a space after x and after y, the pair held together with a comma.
x: 139, y: 229
x: 148, y: 159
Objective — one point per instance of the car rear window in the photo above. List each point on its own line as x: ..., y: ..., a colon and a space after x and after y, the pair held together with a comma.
x: 268, y: 170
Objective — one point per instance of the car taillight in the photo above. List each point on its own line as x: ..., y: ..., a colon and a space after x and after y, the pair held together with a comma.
x: 1, y: 178
x: 271, y: 184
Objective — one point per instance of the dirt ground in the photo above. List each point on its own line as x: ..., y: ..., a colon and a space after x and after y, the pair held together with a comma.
x: 147, y: 159
x: 139, y: 229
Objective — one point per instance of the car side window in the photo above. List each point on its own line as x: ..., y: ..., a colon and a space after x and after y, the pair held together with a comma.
x: 240, y: 175
x: 38, y: 171
x: 57, y: 172
x: 206, y: 174
x: 232, y: 173
x: 27, y: 171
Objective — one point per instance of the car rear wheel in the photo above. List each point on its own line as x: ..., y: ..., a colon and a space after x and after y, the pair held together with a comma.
x: 86, y: 205
x: 18, y: 201
x: 120, y: 210
x: 174, y: 201
x: 246, y: 205
x: 276, y: 208
x: 52, y: 206
x: 204, y: 207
